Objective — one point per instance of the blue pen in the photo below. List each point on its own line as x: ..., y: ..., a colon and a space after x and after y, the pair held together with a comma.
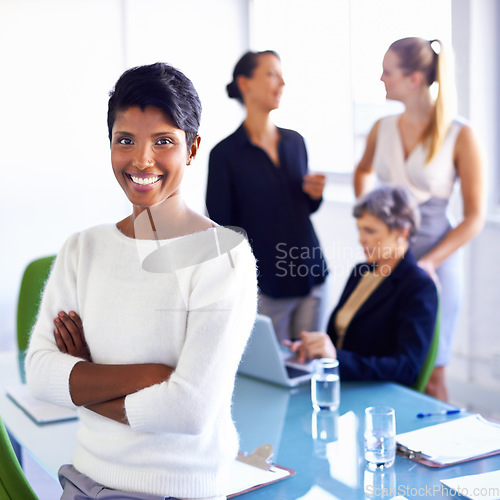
x: 444, y: 412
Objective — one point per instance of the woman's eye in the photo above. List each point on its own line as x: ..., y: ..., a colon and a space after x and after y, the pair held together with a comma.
x: 125, y: 141
x: 163, y: 141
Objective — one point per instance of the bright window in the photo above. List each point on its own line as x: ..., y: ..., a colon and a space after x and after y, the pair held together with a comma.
x: 332, y: 55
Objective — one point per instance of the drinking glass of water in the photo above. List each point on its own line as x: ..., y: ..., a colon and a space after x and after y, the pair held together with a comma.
x: 325, y: 384
x: 380, y: 436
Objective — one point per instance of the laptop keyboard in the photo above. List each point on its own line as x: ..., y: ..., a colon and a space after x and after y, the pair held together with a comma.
x: 295, y: 372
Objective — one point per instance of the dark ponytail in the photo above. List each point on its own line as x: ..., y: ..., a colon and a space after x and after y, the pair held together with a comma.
x: 245, y: 67
x: 233, y: 91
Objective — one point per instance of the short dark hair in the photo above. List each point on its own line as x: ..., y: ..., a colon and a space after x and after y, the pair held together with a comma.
x: 245, y: 67
x: 395, y: 206
x: 161, y: 86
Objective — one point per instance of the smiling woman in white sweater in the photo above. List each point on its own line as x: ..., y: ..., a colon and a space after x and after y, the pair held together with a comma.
x: 142, y: 324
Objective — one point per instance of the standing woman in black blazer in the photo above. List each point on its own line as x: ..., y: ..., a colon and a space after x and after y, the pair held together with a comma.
x: 383, y: 325
x: 258, y: 180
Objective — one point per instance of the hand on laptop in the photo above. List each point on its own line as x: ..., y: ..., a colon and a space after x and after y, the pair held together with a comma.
x: 69, y: 336
x: 312, y: 345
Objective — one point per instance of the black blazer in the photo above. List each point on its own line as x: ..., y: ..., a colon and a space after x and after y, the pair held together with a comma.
x: 389, y: 336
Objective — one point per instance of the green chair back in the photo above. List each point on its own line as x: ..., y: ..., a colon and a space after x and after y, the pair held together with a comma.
x: 13, y: 482
x: 426, y: 371
x: 32, y: 284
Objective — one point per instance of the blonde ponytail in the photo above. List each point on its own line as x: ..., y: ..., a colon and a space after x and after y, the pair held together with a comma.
x: 444, y: 106
x: 429, y: 58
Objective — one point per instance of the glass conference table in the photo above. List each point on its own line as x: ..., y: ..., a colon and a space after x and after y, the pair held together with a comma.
x: 325, y: 449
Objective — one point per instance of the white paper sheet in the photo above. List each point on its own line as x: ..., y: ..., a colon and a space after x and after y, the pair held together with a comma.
x: 453, y: 441
x: 484, y: 486
x: 244, y: 476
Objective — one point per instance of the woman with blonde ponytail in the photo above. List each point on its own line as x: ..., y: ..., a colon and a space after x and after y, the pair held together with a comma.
x: 427, y: 148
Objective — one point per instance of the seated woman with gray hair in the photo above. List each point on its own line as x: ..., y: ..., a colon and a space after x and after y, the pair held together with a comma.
x: 382, y: 327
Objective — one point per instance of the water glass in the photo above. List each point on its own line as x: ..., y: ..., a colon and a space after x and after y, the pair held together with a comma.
x: 380, y: 436
x: 325, y: 384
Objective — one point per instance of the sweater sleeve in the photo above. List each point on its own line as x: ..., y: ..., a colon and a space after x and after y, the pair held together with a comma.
x: 216, y: 333
x: 47, y: 369
x: 219, y: 198
x: 415, y: 319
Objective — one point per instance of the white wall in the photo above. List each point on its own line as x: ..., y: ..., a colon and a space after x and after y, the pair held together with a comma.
x: 59, y: 60
x: 474, y: 373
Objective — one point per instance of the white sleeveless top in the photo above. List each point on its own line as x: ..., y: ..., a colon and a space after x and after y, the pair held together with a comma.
x: 432, y: 180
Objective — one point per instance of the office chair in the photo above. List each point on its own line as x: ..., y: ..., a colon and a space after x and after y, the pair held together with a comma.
x: 426, y: 370
x: 33, y: 281
x: 34, y: 278
x: 13, y: 482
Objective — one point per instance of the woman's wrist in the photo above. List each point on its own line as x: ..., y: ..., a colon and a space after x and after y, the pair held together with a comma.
x: 92, y: 383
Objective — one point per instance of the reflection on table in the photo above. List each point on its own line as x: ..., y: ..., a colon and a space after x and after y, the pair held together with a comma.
x: 325, y: 449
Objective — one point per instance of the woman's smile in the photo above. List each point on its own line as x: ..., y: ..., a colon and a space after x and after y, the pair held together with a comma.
x: 148, y: 154
x: 144, y: 182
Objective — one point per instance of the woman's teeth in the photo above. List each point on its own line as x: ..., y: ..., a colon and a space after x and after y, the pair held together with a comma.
x: 145, y: 180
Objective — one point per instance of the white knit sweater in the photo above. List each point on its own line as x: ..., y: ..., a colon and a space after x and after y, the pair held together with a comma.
x: 197, y: 318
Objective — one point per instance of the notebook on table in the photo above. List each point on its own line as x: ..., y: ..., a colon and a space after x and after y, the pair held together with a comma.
x: 40, y: 412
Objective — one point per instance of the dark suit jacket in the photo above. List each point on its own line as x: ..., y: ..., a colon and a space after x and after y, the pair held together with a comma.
x: 389, y: 336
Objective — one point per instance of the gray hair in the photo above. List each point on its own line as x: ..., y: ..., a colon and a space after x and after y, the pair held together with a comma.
x: 395, y: 206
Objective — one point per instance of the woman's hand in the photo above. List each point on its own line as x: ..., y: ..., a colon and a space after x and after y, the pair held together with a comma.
x: 428, y: 266
x: 102, y: 388
x: 312, y: 345
x: 69, y: 335
x: 313, y: 185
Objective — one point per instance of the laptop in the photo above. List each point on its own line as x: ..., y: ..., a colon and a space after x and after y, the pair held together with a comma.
x: 264, y: 358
